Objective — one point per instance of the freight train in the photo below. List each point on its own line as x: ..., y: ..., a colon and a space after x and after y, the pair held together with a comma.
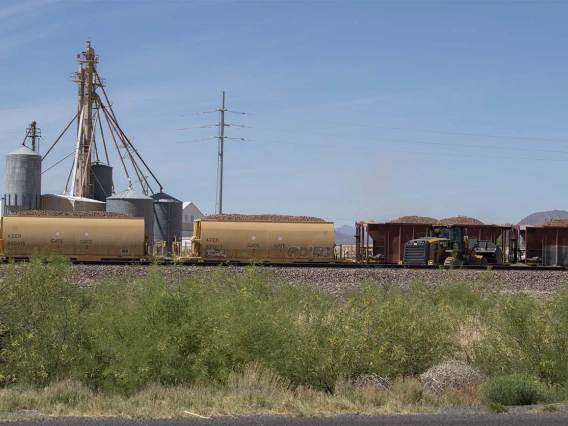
x: 123, y: 239
x: 102, y: 239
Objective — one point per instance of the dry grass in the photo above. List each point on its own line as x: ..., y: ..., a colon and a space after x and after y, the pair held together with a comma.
x: 455, y: 375
x: 471, y: 330
x: 255, y: 390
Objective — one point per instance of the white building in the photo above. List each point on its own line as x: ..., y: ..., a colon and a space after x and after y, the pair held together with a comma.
x: 189, y: 214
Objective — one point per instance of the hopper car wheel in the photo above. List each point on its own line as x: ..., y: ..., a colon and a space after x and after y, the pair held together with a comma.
x: 484, y: 262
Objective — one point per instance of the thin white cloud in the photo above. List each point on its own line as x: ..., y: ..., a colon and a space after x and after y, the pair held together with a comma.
x: 16, y: 9
x: 17, y: 40
x: 14, y: 16
x: 24, y: 22
x: 46, y: 115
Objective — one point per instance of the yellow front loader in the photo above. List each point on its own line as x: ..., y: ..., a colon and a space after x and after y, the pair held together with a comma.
x: 446, y: 245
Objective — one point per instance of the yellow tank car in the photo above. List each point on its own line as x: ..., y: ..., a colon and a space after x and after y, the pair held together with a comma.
x: 263, y: 241
x: 82, y: 239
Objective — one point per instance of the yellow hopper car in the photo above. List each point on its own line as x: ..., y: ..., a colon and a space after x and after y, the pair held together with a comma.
x: 77, y: 238
x: 263, y: 241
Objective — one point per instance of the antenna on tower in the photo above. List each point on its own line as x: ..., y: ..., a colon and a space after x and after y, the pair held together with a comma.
x: 34, y: 133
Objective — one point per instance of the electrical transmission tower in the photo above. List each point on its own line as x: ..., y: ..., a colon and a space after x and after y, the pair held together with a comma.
x: 221, y: 137
x: 221, y: 142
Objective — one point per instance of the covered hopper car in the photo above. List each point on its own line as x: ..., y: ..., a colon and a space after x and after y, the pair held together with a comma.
x: 263, y: 241
x: 77, y: 238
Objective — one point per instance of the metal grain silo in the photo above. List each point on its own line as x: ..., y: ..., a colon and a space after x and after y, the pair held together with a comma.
x: 167, y: 219
x: 23, y: 180
x: 136, y: 205
x: 102, y: 180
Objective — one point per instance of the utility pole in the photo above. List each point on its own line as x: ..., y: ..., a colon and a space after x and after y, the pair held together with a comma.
x: 221, y: 137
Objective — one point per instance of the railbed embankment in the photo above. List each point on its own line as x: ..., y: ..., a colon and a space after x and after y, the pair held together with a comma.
x: 337, y: 280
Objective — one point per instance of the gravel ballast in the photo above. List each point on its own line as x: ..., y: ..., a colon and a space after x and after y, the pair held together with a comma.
x: 337, y: 280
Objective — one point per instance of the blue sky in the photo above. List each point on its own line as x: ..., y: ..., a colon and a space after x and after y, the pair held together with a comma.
x: 364, y: 110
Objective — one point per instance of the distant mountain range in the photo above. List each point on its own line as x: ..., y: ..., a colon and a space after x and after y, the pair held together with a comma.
x: 537, y: 219
x: 345, y: 235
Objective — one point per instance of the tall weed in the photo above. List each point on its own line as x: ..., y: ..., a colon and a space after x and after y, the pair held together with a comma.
x: 525, y: 335
x: 40, y: 313
x: 396, y: 333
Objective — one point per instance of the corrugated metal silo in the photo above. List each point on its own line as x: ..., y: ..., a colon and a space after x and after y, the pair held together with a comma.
x: 23, y: 180
x: 136, y: 205
x: 102, y: 180
x: 167, y: 219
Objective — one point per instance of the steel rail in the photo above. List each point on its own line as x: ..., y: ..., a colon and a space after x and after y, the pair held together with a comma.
x: 337, y: 265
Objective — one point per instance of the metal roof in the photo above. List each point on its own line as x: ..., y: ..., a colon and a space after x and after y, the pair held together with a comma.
x: 24, y: 150
x: 162, y: 197
x: 129, y: 194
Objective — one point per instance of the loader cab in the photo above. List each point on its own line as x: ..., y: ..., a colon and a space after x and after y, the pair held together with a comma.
x: 454, y: 234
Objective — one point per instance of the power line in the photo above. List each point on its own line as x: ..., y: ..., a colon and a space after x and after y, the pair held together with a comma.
x: 413, y: 142
x: 385, y: 150
x: 200, y: 140
x: 396, y: 140
x: 351, y: 124
x: 198, y: 113
x: 281, y: 102
x: 415, y: 130
x: 209, y: 126
x: 405, y: 151
x: 457, y: 120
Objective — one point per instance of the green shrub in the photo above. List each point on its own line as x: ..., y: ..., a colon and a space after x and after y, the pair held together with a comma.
x: 42, y: 338
x: 513, y: 389
x: 525, y: 335
x: 124, y: 334
x: 394, y: 332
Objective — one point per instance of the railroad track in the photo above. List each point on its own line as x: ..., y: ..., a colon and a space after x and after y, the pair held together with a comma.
x: 342, y: 265
x: 426, y: 267
x: 338, y: 265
